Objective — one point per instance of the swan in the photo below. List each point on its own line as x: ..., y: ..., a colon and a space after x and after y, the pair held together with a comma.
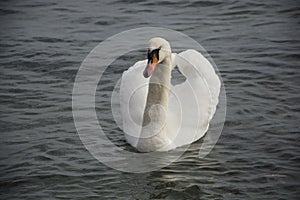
x: 159, y: 116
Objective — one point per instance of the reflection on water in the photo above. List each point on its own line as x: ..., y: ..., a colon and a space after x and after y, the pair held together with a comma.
x: 255, y: 46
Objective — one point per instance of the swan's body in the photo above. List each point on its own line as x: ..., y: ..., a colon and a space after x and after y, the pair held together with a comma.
x: 158, y: 116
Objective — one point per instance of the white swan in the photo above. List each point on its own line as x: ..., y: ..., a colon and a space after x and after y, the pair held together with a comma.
x: 158, y: 116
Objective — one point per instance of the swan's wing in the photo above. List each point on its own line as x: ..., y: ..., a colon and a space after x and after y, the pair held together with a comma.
x: 192, y: 103
x: 133, y: 95
x: 206, y: 70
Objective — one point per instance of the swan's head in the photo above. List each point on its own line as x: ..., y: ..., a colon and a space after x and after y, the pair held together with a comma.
x: 159, y: 51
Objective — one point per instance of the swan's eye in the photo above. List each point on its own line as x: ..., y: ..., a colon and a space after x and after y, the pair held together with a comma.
x: 156, y: 53
x: 153, y: 52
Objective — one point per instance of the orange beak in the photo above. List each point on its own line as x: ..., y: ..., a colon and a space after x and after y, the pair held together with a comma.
x: 152, y: 62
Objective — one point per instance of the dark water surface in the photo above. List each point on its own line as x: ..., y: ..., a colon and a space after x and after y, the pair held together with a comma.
x: 256, y: 46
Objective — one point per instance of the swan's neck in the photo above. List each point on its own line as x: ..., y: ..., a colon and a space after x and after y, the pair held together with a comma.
x: 153, y: 134
x: 154, y: 118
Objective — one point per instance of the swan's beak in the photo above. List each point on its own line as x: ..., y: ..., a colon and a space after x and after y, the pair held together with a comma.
x: 152, y: 62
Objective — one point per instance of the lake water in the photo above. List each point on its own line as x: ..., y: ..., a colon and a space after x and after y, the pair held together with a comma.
x: 255, y: 45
